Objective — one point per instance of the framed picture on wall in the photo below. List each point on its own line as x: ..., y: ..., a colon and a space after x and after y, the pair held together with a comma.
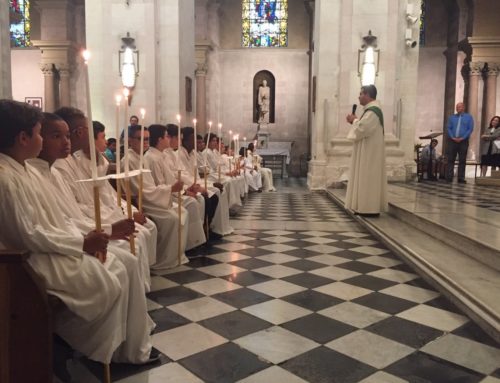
x: 34, y: 101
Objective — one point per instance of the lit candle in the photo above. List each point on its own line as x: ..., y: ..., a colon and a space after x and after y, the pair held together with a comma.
x: 126, y: 93
x: 178, y: 141
x: 208, y: 139
x: 118, y: 99
x: 93, y: 161
x: 141, y: 156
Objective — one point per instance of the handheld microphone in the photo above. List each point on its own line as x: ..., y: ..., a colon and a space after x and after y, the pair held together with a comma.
x: 354, y: 107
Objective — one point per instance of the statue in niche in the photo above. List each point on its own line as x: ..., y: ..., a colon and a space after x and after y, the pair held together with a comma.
x: 264, y: 98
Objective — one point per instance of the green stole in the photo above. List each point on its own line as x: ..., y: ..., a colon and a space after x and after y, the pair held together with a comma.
x: 378, y: 112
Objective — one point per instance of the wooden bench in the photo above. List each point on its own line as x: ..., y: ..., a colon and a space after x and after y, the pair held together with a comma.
x: 25, y: 322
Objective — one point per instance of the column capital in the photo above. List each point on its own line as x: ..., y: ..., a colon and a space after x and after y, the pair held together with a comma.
x: 47, y: 69
x: 476, y: 68
x: 201, y: 69
x: 64, y: 69
x: 201, y: 51
x: 493, y: 69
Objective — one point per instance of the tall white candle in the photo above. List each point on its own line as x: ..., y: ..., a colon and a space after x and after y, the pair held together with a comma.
x: 195, y: 144
x: 220, y: 137
x: 178, y: 142
x: 208, y: 139
x: 118, y: 99
x: 141, y: 156
x: 126, y: 93
x: 93, y: 163
x: 244, y: 147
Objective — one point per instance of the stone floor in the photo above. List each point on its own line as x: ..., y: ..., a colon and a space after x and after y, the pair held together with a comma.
x: 301, y: 293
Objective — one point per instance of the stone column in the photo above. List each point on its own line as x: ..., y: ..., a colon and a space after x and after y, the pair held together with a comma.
x: 472, y: 107
x: 5, y: 73
x: 491, y: 93
x: 201, y: 97
x: 201, y: 51
x: 64, y: 84
x: 49, y: 88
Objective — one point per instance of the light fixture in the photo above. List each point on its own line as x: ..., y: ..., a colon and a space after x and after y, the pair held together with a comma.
x: 409, y: 15
x: 128, y: 62
x: 410, y: 43
x: 368, y: 60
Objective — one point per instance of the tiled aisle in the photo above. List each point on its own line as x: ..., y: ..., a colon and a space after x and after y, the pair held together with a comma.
x: 270, y: 304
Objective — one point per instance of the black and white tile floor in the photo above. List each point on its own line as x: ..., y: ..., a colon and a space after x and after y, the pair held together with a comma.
x: 276, y: 305
x: 480, y: 196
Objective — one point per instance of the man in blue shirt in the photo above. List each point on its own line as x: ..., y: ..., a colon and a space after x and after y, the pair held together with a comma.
x: 460, y: 126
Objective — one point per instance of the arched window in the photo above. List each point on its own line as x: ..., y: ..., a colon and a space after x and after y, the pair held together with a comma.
x: 20, y: 24
x: 265, y: 23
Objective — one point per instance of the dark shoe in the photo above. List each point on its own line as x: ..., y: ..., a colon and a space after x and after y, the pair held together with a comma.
x: 212, y: 236
x: 462, y: 181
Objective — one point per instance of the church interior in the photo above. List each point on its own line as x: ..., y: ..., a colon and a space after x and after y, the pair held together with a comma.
x: 271, y: 276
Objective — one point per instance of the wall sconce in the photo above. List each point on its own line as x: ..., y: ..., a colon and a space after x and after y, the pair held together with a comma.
x: 368, y: 60
x: 128, y: 62
x: 410, y: 43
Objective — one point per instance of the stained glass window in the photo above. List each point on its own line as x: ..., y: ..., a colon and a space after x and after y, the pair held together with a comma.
x: 265, y: 23
x: 422, y: 23
x: 20, y: 26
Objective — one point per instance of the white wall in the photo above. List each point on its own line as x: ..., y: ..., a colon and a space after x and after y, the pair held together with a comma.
x: 27, y: 78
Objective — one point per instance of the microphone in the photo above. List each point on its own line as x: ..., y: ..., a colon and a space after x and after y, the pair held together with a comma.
x: 354, y: 107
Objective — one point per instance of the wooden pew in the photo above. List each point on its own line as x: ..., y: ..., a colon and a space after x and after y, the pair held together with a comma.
x: 25, y: 322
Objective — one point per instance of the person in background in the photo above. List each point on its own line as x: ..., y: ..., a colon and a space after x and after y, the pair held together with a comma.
x: 490, y: 146
x: 110, y: 151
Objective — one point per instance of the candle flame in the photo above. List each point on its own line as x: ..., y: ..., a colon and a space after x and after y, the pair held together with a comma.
x: 210, y: 123
x: 143, y: 113
x: 220, y: 125
x: 195, y: 121
x: 86, y: 55
x: 178, y: 118
x: 126, y: 92
x: 118, y: 99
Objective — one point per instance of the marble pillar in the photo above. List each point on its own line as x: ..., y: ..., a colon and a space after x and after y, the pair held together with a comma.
x: 201, y: 98
x: 48, y: 75
x: 201, y: 51
x: 64, y: 84
x: 473, y: 107
x: 491, y: 94
x: 5, y: 73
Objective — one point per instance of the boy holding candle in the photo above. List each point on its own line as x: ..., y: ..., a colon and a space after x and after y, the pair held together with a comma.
x: 102, y: 317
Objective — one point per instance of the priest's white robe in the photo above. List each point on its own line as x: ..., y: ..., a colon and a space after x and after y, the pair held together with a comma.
x: 158, y: 205
x: 366, y: 188
x: 162, y: 174
x: 104, y: 316
x: 252, y: 176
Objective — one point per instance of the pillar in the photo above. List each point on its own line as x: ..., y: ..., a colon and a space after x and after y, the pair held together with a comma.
x: 491, y: 93
x: 475, y: 74
x: 64, y: 84
x: 201, y: 50
x: 201, y: 98
x: 48, y: 75
x: 5, y: 72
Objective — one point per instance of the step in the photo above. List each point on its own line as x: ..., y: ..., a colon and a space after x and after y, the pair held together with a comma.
x: 487, y: 181
x: 470, y: 284
x: 458, y: 239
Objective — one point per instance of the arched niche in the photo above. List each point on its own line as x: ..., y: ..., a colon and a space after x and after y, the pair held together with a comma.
x: 271, y: 83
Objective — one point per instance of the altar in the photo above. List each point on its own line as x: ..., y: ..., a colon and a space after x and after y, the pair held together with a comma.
x: 276, y: 156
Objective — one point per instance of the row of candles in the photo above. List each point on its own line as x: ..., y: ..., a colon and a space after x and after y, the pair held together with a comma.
x: 118, y: 99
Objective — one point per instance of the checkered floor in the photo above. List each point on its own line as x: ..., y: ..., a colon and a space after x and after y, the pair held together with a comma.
x: 292, y: 306
x: 481, y: 196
